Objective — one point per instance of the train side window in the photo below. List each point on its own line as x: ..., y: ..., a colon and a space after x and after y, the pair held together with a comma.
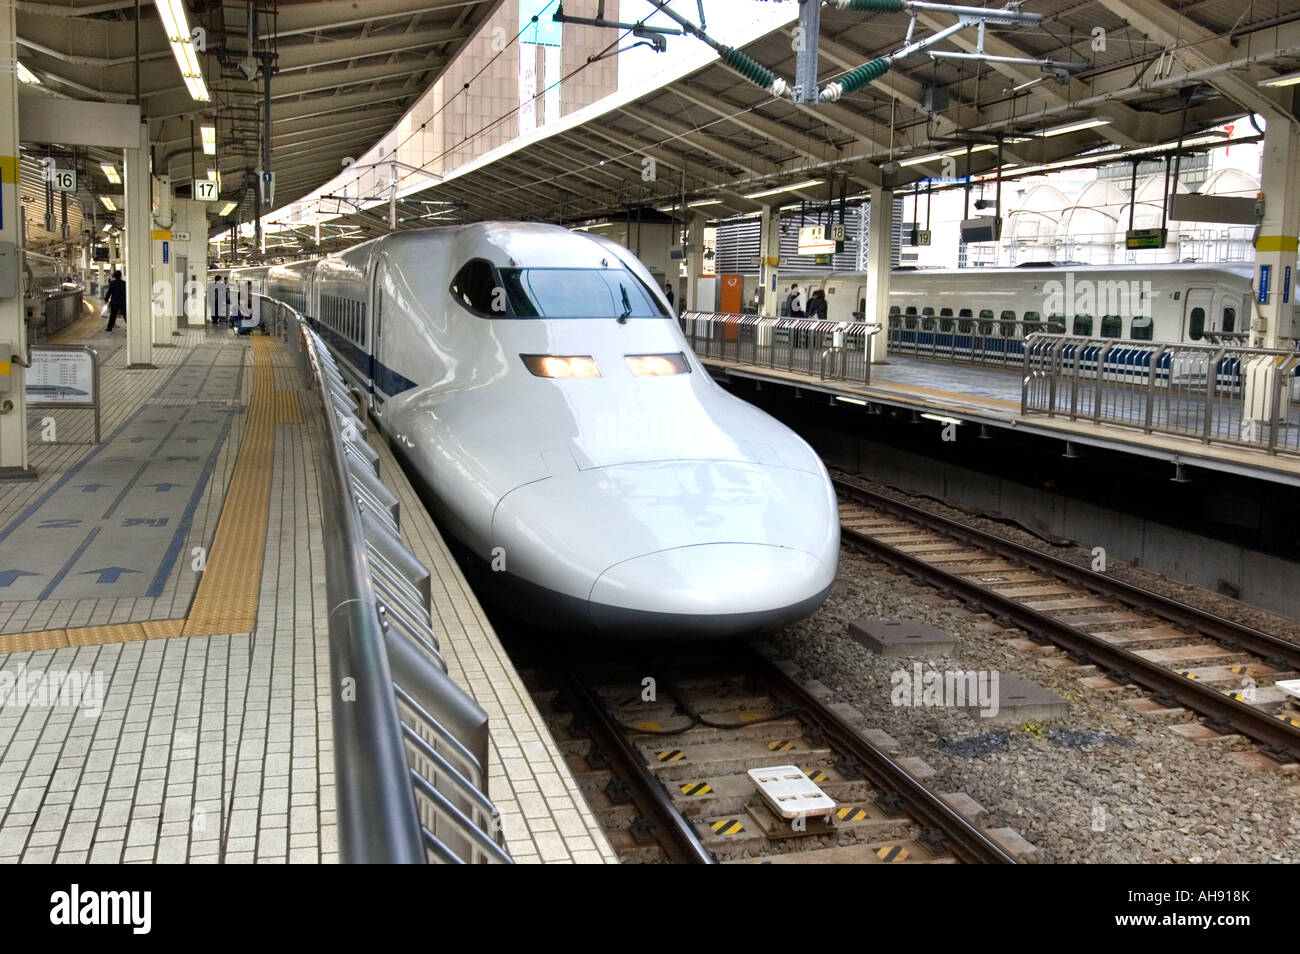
x: 1196, y: 324
x: 895, y: 315
x: 475, y: 286
x: 1229, y: 319
x: 1082, y: 325
x: 1112, y: 326
x: 1142, y: 329
x: 1007, y: 324
x: 986, y: 321
x: 945, y: 319
x: 927, y: 317
x: 1055, y: 323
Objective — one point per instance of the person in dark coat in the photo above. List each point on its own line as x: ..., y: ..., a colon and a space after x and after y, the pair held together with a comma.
x: 818, y: 305
x: 115, y: 295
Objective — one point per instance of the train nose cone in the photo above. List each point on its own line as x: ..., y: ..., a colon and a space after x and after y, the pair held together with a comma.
x: 712, y: 589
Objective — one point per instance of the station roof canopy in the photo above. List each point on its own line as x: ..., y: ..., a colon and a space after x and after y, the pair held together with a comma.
x: 345, y: 73
x: 1152, y: 69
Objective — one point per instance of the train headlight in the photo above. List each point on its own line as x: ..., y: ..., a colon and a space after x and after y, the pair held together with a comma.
x: 656, y: 365
x: 561, y: 366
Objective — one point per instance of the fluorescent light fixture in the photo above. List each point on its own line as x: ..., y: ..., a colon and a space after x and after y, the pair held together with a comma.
x: 209, y: 134
x: 690, y: 205
x: 849, y: 400
x: 111, y: 172
x: 941, y: 419
x: 1075, y: 127
x: 228, y: 208
x: 807, y: 183
x: 954, y: 153
x: 108, y: 203
x: 177, y: 27
x: 27, y: 76
x: 1287, y: 79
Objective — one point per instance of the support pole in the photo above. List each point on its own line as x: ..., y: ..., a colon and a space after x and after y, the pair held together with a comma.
x: 769, y: 251
x: 694, y: 258
x: 139, y: 254
x: 13, y: 331
x: 1279, y: 235
x: 880, y: 237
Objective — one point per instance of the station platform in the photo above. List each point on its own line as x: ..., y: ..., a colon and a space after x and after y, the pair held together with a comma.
x: 991, y: 397
x: 163, y: 648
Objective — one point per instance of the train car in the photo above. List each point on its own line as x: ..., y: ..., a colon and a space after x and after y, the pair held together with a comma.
x: 535, y: 382
x: 1168, y: 303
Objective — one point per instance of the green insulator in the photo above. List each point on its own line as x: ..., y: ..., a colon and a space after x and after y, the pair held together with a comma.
x: 855, y: 79
x: 748, y: 67
x: 876, y: 6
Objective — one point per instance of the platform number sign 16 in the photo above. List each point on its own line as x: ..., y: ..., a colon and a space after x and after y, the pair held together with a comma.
x: 205, y: 190
x: 64, y: 180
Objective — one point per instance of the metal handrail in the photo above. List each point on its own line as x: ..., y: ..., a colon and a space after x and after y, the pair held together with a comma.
x: 384, y: 800
x: 794, y: 344
x: 1215, y: 393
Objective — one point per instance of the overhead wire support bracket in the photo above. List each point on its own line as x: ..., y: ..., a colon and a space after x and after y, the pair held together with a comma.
x: 966, y: 16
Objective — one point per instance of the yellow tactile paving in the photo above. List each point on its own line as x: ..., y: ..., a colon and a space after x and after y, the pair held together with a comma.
x: 226, y: 601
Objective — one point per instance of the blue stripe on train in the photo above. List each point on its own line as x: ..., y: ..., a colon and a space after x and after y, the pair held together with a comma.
x: 384, y: 380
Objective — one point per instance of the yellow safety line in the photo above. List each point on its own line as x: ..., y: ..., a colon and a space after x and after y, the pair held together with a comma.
x: 226, y: 600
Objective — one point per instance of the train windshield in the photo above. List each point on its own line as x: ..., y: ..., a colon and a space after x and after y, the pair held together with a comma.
x: 578, y: 293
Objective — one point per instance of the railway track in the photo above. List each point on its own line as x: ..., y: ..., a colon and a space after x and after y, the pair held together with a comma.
x: 1219, y: 669
x: 664, y: 764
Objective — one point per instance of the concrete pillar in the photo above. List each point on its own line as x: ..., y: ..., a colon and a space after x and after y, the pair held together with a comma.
x: 880, y: 237
x: 1275, y: 249
x: 139, y: 254
x: 13, y: 331
x: 165, y: 295
x: 769, y: 254
x: 694, y: 259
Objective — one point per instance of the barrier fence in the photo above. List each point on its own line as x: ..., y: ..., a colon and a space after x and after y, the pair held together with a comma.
x: 410, y: 746
x: 986, y: 341
x: 832, y: 350
x: 1220, y: 392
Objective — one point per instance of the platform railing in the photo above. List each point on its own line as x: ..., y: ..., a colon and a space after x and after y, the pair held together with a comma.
x: 831, y: 350
x: 1222, y: 393
x: 985, y: 341
x: 411, y: 746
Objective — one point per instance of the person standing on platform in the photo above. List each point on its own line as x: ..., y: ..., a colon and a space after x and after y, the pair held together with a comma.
x: 668, y: 292
x: 220, y: 300
x: 115, y: 295
x: 817, y: 308
x: 794, y: 302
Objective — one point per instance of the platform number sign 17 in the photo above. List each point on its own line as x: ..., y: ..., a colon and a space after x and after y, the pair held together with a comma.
x: 205, y: 190
x: 64, y: 180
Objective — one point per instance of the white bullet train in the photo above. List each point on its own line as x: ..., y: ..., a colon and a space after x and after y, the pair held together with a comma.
x: 1168, y: 303
x: 537, y: 383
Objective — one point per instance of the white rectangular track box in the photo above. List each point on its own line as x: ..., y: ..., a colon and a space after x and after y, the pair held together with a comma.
x: 790, y: 793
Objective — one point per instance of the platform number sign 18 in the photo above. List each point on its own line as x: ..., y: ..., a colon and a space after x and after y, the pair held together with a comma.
x: 64, y: 180
x: 205, y: 190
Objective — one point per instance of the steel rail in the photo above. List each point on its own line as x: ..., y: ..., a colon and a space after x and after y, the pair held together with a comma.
x: 1220, y: 710
x: 966, y: 841
x: 1232, y: 634
x: 615, y: 744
